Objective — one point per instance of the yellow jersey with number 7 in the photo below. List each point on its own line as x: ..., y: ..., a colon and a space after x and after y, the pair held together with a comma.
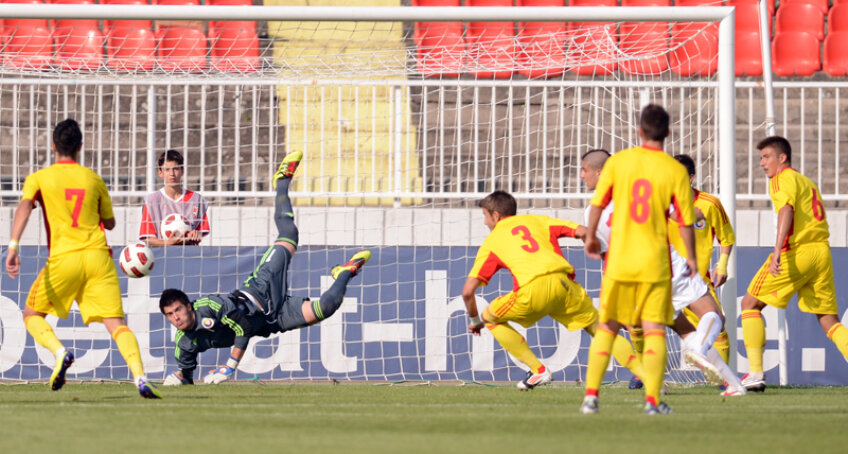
x: 642, y: 182
x: 809, y: 225
x: 73, y: 199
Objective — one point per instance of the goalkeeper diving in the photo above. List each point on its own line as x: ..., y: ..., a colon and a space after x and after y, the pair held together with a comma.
x: 261, y: 307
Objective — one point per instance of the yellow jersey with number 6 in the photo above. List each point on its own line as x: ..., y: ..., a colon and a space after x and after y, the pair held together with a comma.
x: 809, y: 225
x: 642, y: 182
x: 73, y: 199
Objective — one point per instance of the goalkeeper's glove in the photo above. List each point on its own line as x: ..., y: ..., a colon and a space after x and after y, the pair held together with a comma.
x: 222, y: 373
x: 176, y: 379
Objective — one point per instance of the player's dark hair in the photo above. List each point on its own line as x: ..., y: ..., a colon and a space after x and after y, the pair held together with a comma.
x: 171, y: 296
x: 67, y: 138
x: 779, y: 144
x: 500, y: 202
x: 687, y: 162
x: 596, y: 157
x: 170, y: 155
x: 654, y: 122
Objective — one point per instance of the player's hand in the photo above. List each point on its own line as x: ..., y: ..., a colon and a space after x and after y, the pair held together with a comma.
x: 475, y: 329
x: 592, y: 246
x: 691, y: 267
x: 580, y: 232
x: 193, y: 237
x: 177, y: 238
x: 718, y: 279
x: 174, y: 379
x: 219, y: 375
x: 774, y: 265
x: 13, y: 263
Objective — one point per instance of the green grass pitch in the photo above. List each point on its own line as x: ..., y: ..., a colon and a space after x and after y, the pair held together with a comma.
x: 367, y: 418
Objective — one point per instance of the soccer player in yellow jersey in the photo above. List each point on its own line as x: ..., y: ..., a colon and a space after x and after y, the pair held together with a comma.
x: 713, y: 224
x: 543, y: 284
x: 801, y: 261
x: 76, y: 208
x: 636, y: 290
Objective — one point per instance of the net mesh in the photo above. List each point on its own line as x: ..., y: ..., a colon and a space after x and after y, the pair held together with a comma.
x: 403, y: 125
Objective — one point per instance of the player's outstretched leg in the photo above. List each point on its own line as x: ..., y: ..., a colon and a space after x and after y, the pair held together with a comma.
x: 334, y: 296
x: 64, y: 359
x: 283, y: 212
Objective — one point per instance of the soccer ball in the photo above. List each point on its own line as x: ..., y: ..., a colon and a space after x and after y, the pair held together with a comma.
x: 173, y: 225
x: 136, y: 260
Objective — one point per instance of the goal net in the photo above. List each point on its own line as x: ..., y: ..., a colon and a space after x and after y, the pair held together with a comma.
x: 406, y: 117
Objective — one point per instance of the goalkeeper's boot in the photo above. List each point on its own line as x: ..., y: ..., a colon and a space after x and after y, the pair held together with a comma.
x: 63, y: 362
x: 146, y: 389
x: 353, y: 265
x: 700, y: 361
x: 660, y: 409
x: 754, y: 382
x: 543, y: 377
x: 635, y: 383
x: 589, y: 406
x: 288, y: 167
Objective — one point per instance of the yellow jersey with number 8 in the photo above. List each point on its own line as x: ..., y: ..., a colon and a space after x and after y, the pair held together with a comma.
x: 73, y: 199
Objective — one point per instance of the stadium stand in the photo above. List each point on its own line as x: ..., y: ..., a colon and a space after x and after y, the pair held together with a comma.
x: 694, y: 50
x: 821, y: 5
x: 647, y: 45
x: 800, y: 17
x: 542, y: 44
x: 78, y: 43
x: 131, y: 45
x: 492, y: 49
x: 795, y: 53
x: 441, y: 45
x: 28, y: 43
x: 835, y: 61
x: 749, y: 54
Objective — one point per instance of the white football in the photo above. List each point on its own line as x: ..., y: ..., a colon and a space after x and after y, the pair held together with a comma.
x: 174, y: 224
x: 136, y: 260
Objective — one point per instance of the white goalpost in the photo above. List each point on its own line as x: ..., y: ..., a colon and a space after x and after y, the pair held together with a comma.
x: 406, y: 116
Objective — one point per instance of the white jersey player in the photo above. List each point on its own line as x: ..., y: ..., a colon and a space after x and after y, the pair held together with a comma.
x: 689, y: 292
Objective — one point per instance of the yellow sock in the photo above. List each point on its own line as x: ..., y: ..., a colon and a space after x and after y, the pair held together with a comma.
x: 839, y: 335
x: 623, y: 352
x: 754, y: 334
x: 43, y: 333
x: 722, y: 345
x: 515, y: 344
x: 128, y: 346
x: 653, y: 361
x: 637, y: 336
x: 599, y: 356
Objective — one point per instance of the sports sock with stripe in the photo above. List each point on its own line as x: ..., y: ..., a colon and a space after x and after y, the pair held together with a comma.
x: 514, y: 343
x: 332, y: 299
x: 839, y: 335
x: 654, y: 361
x: 623, y: 352
x: 754, y: 335
x: 128, y: 346
x: 599, y: 356
x: 284, y: 214
x: 43, y: 333
x: 722, y: 346
x: 637, y: 336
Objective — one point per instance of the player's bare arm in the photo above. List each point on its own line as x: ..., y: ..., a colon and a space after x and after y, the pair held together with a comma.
x: 687, y: 232
x: 468, y: 290
x: 13, y: 260
x: 784, y: 224
x: 108, y: 224
x: 592, y: 245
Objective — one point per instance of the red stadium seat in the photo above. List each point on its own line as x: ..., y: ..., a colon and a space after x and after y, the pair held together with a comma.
x: 109, y: 25
x: 230, y: 2
x: 11, y: 24
x: 131, y: 49
x: 593, y: 3
x: 78, y: 43
x: 836, y: 54
x: 694, y: 48
x: 645, y: 2
x: 749, y: 54
x: 646, y: 44
x: 181, y: 49
x: 821, y: 5
x: 542, y: 44
x: 491, y: 45
x: 748, y: 16
x: 699, y: 3
x: 176, y: 2
x: 795, y: 53
x: 593, y: 49
x: 27, y: 46
x: 441, y: 48
x: 837, y: 18
x: 800, y: 17
x: 235, y: 48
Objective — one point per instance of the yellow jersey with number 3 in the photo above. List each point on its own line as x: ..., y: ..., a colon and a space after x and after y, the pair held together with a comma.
x: 809, y: 225
x: 715, y: 226
x: 73, y: 199
x: 643, y: 183
x: 526, y: 245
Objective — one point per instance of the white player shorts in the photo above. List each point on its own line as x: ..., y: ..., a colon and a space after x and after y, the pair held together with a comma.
x: 684, y: 290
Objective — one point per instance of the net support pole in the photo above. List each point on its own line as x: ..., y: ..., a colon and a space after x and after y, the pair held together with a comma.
x: 727, y: 163
x: 150, y: 176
